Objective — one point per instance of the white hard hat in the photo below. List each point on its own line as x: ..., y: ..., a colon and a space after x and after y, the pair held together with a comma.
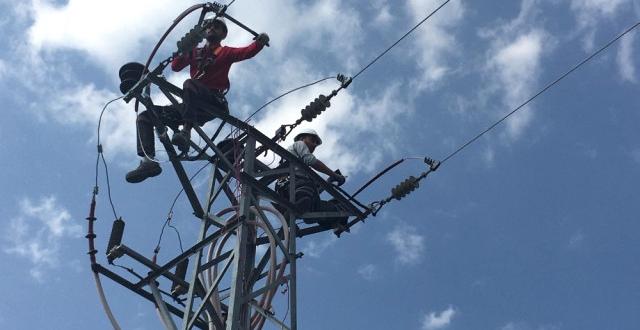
x: 307, y: 131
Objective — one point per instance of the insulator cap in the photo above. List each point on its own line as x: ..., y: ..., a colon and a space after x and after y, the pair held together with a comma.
x: 130, y: 74
x: 405, y: 187
x: 321, y: 103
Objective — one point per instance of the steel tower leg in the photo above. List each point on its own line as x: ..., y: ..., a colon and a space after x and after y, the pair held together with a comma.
x: 239, y: 308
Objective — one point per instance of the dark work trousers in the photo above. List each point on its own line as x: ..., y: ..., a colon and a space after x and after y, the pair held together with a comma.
x: 308, y: 200
x: 199, y: 106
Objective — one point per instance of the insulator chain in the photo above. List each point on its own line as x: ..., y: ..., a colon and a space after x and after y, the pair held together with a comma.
x: 191, y: 39
x: 405, y: 188
x: 311, y: 111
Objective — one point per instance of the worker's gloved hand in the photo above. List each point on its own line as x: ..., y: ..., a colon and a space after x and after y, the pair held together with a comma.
x: 262, y: 39
x: 339, y: 179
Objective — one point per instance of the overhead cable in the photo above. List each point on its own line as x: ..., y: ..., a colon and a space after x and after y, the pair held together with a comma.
x: 548, y: 86
x: 401, y: 38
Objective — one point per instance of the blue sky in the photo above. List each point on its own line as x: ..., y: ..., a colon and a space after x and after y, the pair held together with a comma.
x: 533, y: 227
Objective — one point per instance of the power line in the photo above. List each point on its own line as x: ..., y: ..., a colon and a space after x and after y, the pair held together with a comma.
x: 401, y: 38
x: 285, y: 94
x: 548, y: 86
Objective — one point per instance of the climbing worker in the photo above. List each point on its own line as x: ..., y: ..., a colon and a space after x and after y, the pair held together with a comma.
x: 209, y: 82
x: 307, y: 194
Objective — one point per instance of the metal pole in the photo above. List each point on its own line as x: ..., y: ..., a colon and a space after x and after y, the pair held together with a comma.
x: 239, y: 312
x: 292, y: 250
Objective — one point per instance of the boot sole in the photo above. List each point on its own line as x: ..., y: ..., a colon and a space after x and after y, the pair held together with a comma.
x: 139, y: 177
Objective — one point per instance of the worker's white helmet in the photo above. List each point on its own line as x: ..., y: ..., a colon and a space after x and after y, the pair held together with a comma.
x: 307, y: 131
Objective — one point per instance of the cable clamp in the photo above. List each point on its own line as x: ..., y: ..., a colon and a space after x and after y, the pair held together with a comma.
x: 217, y: 8
x: 375, y: 207
x: 433, y: 164
x: 344, y: 80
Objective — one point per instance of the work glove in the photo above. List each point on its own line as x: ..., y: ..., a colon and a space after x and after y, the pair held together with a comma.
x: 262, y: 39
x: 339, y: 179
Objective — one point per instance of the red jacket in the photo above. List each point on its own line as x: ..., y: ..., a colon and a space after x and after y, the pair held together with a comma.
x: 216, y: 75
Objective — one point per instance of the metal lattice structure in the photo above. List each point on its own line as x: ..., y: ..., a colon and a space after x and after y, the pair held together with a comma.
x: 252, y: 277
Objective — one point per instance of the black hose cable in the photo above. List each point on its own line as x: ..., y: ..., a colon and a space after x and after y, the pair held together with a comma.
x: 377, y: 176
x: 542, y: 91
x: 401, y: 38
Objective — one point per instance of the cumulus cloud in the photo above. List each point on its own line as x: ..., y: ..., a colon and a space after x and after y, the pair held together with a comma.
x: 435, y: 42
x: 38, y: 233
x: 441, y: 320
x: 513, y: 64
x: 625, y: 59
x: 517, y: 66
x: 369, y: 272
x: 407, y: 244
x: 590, y: 12
x: 109, y: 33
x: 315, y: 247
x: 383, y: 16
x: 60, y: 35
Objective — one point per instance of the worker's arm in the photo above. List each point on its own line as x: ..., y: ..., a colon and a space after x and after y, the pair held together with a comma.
x: 321, y: 167
x: 181, y: 61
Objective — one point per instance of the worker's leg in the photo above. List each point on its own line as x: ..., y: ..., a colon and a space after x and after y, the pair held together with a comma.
x: 146, y: 149
x: 145, y: 143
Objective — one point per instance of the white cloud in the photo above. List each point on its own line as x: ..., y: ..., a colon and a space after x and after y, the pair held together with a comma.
x: 625, y: 59
x: 435, y: 321
x: 526, y: 326
x: 383, y: 17
x: 517, y: 67
x: 82, y: 106
x: 576, y: 240
x: 407, y: 243
x: 369, y: 272
x: 3, y: 69
x: 590, y: 12
x: 109, y: 32
x: 435, y: 41
x: 513, y: 65
x: 108, y: 41
x: 315, y: 247
x: 38, y: 232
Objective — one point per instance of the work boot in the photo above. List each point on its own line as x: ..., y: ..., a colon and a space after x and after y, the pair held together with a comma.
x: 182, y: 140
x: 146, y: 169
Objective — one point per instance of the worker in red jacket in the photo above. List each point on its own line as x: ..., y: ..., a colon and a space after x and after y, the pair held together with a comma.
x: 209, y: 69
